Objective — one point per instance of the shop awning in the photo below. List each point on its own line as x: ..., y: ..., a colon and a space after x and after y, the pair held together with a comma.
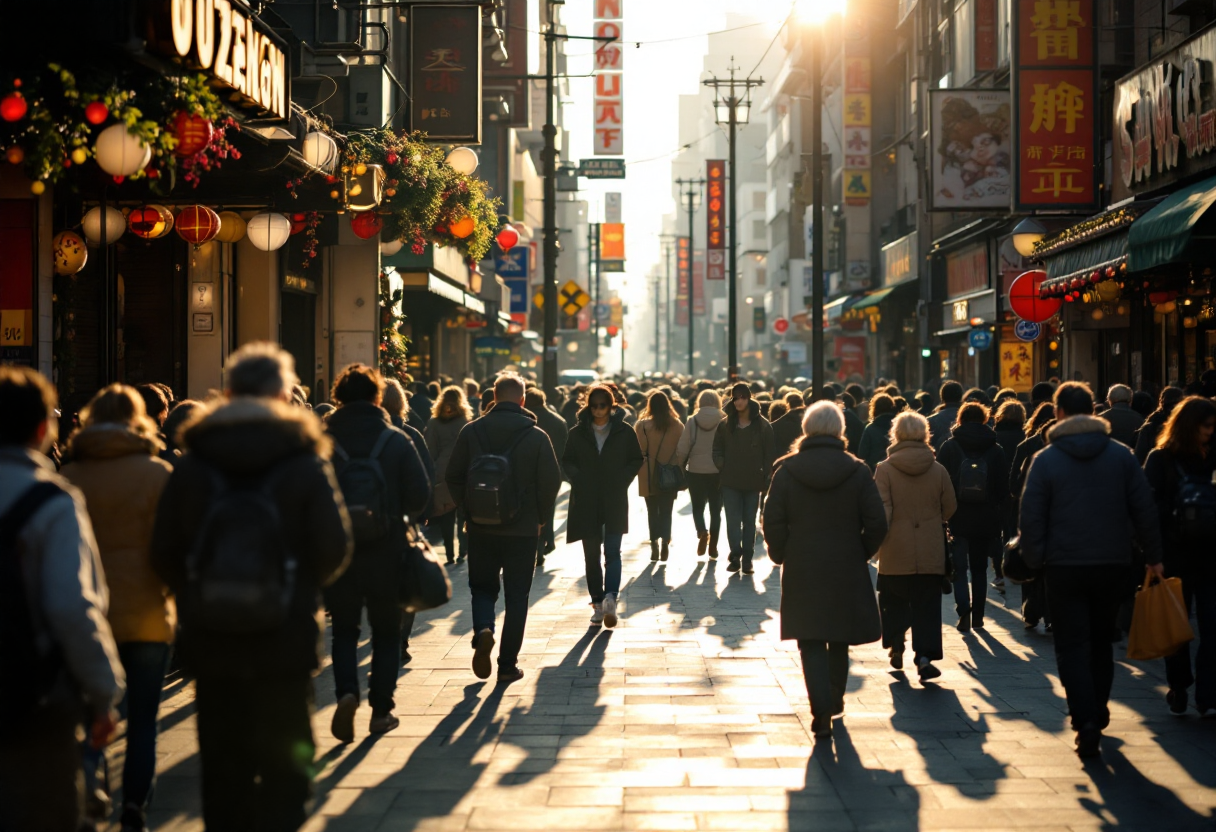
x: 1162, y: 235
x: 873, y: 298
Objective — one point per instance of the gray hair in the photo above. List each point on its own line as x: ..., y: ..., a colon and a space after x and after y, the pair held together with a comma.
x: 910, y: 426
x: 262, y: 369
x: 1119, y: 393
x: 823, y: 418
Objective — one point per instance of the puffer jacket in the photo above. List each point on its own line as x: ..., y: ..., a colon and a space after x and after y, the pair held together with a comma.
x: 122, y: 477
x: 918, y: 497
x: 696, y: 446
x: 745, y: 455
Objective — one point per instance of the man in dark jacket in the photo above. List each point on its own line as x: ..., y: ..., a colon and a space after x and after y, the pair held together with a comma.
x: 555, y: 428
x: 744, y: 451
x: 940, y: 422
x: 788, y: 429
x: 1086, y: 500
x: 364, y: 439
x: 509, y: 549
x: 1124, y: 422
x: 854, y: 427
x: 254, y: 690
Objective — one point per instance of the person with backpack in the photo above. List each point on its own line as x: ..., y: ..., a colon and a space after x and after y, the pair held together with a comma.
x: 602, y: 458
x: 250, y: 527
x: 59, y: 665
x: 659, y: 432
x: 695, y: 451
x: 980, y: 474
x: 384, y: 484
x: 744, y: 451
x: 1085, y: 503
x: 1180, y: 471
x: 504, y: 476
x: 118, y: 445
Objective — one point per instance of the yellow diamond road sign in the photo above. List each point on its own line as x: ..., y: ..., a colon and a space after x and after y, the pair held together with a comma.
x: 570, y: 300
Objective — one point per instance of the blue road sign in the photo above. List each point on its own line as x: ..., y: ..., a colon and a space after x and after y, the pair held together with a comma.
x: 513, y: 263
x: 1027, y: 330
x: 981, y: 339
x: 602, y: 312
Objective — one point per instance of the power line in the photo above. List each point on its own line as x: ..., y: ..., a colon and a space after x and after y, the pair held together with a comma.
x: 639, y: 43
x: 776, y: 35
x: 685, y: 146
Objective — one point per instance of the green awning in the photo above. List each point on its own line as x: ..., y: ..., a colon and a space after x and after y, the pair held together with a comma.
x: 1162, y: 235
x: 1087, y: 255
x: 873, y: 298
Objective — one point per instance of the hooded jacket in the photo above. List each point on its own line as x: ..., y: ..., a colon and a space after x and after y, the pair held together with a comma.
x: 696, y: 447
x: 972, y: 440
x: 658, y: 447
x: 875, y: 439
x: 122, y: 478
x: 1086, y: 500
x: 918, y: 497
x: 244, y: 440
x: 744, y: 456
x: 822, y: 520
x: 599, y: 479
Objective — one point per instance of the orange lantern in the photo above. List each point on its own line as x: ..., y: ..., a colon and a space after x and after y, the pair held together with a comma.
x: 193, y: 133
x: 70, y: 253
x: 197, y: 224
x: 366, y: 224
x: 463, y: 227
x: 150, y: 221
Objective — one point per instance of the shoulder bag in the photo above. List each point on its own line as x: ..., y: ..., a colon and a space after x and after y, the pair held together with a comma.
x: 667, y: 477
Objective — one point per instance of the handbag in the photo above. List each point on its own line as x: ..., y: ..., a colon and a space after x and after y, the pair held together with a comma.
x: 1160, y: 624
x: 1013, y: 566
x: 948, y: 577
x: 667, y: 476
x: 422, y: 580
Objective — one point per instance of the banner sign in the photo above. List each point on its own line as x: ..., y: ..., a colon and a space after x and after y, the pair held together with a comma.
x: 969, y: 146
x: 445, y: 72
x: 612, y: 241
x: 857, y: 126
x: 715, y: 204
x: 1017, y: 362
x: 683, y: 279
x: 1055, y: 97
x: 608, y: 107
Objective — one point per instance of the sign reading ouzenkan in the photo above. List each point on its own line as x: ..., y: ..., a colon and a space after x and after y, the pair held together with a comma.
x: 715, y: 219
x: 609, y: 106
x: 1054, y: 102
x: 445, y: 72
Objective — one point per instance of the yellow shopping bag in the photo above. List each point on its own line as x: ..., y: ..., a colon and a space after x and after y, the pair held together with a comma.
x: 1159, y: 623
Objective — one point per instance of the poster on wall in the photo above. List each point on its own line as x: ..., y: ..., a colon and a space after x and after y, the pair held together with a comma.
x: 970, y: 146
x: 1017, y: 362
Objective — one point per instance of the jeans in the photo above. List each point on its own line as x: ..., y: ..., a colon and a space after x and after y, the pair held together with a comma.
x: 825, y: 667
x: 1084, y: 602
x: 145, y: 663
x: 346, y: 598
x: 971, y: 554
x: 658, y: 515
x: 605, y: 581
x: 741, y: 507
x: 256, y: 748
x: 41, y: 788
x: 1199, y: 590
x: 451, y: 526
x: 515, y: 559
x: 706, y: 488
x: 912, y: 602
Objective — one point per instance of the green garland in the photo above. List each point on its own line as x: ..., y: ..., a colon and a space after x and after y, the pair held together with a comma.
x: 394, y: 347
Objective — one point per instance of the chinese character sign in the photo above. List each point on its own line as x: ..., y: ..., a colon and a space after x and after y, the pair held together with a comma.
x: 1055, y: 100
x: 1017, y: 362
x: 445, y: 72
x: 683, y: 279
x: 857, y: 121
x: 715, y: 205
x: 971, y: 160
x: 608, y: 107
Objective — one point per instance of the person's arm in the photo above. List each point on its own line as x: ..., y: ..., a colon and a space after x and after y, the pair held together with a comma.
x: 329, y: 532
x: 719, y: 451
x: 548, y: 477
x: 882, y: 478
x: 633, y: 457
x: 1143, y: 510
x: 873, y: 517
x: 415, y: 485
x: 1015, y: 469
x: 570, y: 464
x: 774, y: 522
x: 949, y: 502
x: 684, y: 446
x: 1034, y: 514
x: 458, y: 465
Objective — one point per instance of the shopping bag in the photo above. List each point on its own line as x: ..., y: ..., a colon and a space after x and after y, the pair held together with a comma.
x: 1159, y: 622
x: 422, y: 581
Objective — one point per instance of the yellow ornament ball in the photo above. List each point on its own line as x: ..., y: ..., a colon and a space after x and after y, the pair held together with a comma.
x: 360, y: 169
x: 70, y: 252
x: 38, y: 188
x: 333, y: 194
x: 15, y: 155
x: 232, y: 227
x: 79, y: 156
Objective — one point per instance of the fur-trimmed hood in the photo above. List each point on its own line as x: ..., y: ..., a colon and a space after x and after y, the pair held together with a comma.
x: 1083, y: 437
x: 247, y: 435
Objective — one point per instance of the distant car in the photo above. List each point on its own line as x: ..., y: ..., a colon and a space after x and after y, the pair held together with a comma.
x: 573, y: 378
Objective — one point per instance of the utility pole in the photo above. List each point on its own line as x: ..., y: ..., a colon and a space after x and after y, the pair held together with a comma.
x: 691, y: 193
x: 593, y: 272
x: 551, y: 247
x: 658, y: 304
x: 732, y: 110
x: 818, y: 366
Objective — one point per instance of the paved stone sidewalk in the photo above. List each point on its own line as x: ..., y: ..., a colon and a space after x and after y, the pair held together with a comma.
x: 693, y: 715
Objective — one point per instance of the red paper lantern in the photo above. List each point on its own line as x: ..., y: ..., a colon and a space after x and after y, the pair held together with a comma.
x: 13, y: 107
x: 298, y: 223
x: 366, y: 224
x: 612, y: 330
x: 193, y: 133
x: 197, y: 224
x: 96, y: 113
x: 1161, y: 297
x: 150, y: 221
x: 1027, y: 301
x: 507, y: 238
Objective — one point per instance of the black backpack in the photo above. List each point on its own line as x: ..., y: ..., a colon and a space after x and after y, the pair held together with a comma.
x: 491, y: 494
x: 1195, y: 508
x: 973, y: 480
x: 31, y: 665
x: 241, y: 574
x: 363, y: 488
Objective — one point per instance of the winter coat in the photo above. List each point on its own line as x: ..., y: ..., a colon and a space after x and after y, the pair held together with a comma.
x: 1030, y: 446
x: 1009, y: 434
x: 569, y: 412
x: 854, y: 428
x: 696, y: 448
x: 919, y: 497
x: 555, y: 428
x: 533, y: 466
x: 415, y: 436
x: 967, y: 441
x: 787, y: 430
x: 745, y: 455
x: 822, y: 520
x: 1086, y: 500
x: 1124, y: 422
x: 940, y: 424
x: 875, y: 439
x: 65, y: 582
x: 122, y: 478
x: 441, y: 435
x: 1146, y: 436
x: 1161, y: 471
x: 658, y: 447
x: 599, y: 480
x: 244, y: 440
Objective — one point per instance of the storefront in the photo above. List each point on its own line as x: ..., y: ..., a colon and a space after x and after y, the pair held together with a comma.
x: 969, y: 305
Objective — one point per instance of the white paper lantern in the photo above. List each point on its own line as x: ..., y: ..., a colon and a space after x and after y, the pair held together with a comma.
x: 390, y: 247
x: 119, y: 153
x: 320, y: 151
x: 268, y: 232
x: 463, y: 160
x: 116, y: 224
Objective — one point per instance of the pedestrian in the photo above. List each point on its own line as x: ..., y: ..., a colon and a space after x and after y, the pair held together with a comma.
x: 250, y: 527
x: 659, y: 432
x: 1009, y: 422
x: 696, y: 453
x: 823, y: 520
x: 980, y: 474
x: 1146, y: 437
x: 62, y: 671
x: 502, y: 554
x: 1124, y: 422
x: 420, y: 406
x: 919, y: 498
x: 788, y: 429
x: 555, y: 428
x: 743, y: 452
x: 182, y: 412
x: 1085, y: 504
x: 940, y: 423
x: 1180, y: 471
x: 156, y: 406
x: 1034, y: 595
x: 383, y: 483
x: 854, y: 425
x: 451, y: 414
x: 877, y: 435
x: 116, y: 466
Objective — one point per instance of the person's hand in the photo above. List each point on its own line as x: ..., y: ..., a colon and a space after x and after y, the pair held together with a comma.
x: 103, y: 729
x: 1157, y: 569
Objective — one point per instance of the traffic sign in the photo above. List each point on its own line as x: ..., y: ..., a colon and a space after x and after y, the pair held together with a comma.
x: 512, y: 263
x: 571, y: 299
x: 980, y: 339
x: 612, y: 266
x: 602, y: 168
x: 780, y: 326
x: 602, y: 311
x: 1027, y: 330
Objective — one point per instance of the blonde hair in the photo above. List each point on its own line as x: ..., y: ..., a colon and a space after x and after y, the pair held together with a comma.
x: 118, y: 404
x: 453, y: 395
x: 709, y: 398
x: 909, y: 426
x: 823, y: 418
x: 393, y: 400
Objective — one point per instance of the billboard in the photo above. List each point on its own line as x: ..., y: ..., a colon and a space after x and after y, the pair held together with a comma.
x: 445, y: 72
x: 608, y: 110
x: 969, y: 143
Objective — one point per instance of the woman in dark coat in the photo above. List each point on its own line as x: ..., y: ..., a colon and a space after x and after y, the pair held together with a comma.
x: 822, y: 521
x: 1146, y: 437
x: 877, y: 435
x: 1010, y: 426
x: 602, y: 457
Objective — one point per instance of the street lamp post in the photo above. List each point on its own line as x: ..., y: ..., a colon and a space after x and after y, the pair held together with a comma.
x: 692, y: 196
x: 549, y: 163
x: 818, y: 364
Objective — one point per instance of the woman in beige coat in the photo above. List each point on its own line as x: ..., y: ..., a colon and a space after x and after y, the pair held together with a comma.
x: 659, y: 433
x: 919, y: 499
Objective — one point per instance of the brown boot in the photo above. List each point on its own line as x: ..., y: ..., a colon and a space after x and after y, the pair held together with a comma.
x: 702, y: 543
x: 713, y: 547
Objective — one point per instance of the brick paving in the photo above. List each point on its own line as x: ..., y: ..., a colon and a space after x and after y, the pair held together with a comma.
x: 692, y: 715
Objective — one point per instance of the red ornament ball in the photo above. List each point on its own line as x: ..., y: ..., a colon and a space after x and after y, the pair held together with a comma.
x: 507, y: 238
x: 96, y: 113
x: 197, y: 224
x: 1026, y: 298
x: 366, y: 224
x: 193, y: 133
x: 13, y: 107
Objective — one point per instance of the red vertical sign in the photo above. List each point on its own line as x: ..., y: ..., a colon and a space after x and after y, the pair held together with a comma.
x: 985, y: 35
x: 1055, y: 102
x: 698, y: 283
x: 683, y: 279
x: 715, y: 219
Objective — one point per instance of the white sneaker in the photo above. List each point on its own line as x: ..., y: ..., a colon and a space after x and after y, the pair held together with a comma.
x: 609, y: 611
x: 597, y: 614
